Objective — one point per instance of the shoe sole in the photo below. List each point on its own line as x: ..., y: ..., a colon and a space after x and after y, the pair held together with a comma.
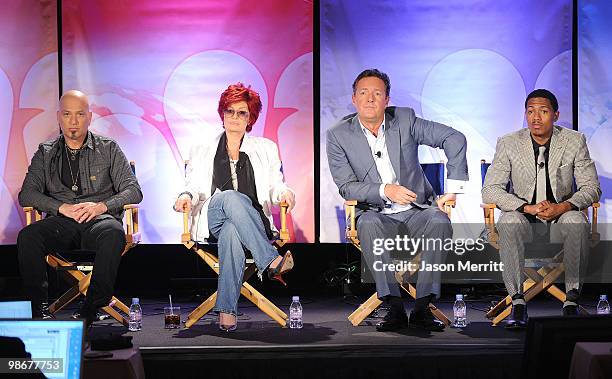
x: 288, y: 264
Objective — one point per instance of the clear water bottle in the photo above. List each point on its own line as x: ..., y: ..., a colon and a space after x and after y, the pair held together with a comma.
x: 459, y: 311
x: 135, y: 323
x: 603, y: 307
x: 295, y: 314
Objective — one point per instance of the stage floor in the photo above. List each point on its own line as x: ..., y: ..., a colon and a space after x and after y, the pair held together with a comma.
x: 325, y: 323
x: 327, y: 342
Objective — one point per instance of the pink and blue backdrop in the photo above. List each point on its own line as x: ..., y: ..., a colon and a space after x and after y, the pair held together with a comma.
x: 154, y: 71
x: 28, y: 98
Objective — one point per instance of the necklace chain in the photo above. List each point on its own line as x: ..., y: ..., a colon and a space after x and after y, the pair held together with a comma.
x: 73, y: 153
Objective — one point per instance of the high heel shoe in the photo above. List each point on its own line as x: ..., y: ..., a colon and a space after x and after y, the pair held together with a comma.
x: 227, y: 328
x: 285, y: 265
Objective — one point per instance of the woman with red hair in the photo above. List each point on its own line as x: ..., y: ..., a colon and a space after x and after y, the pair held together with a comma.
x: 231, y: 184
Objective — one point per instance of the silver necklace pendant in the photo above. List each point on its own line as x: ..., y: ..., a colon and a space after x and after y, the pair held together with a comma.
x: 75, y: 188
x: 73, y: 157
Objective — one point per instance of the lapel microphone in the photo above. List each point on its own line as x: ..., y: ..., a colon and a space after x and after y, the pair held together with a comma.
x: 539, y: 166
x: 378, y: 154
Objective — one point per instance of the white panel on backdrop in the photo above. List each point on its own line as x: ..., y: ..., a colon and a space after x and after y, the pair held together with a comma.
x: 595, y: 92
x: 468, y: 64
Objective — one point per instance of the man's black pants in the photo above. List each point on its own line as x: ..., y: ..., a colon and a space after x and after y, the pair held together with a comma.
x: 55, y: 234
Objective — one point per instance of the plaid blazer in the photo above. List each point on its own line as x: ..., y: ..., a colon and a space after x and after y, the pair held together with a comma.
x: 568, y: 160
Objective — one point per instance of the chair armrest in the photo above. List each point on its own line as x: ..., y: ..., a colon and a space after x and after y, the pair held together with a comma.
x: 448, y: 206
x: 488, y: 206
x: 29, y: 211
x: 489, y: 219
x: 595, y: 207
x: 489, y: 216
x: 351, y: 229
x: 186, y: 235
x: 594, y: 233
x: 284, y: 231
x: 132, y: 233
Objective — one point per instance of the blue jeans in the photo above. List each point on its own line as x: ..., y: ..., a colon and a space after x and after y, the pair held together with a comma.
x: 237, y: 226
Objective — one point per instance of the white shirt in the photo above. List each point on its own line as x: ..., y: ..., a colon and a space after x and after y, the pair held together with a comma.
x: 384, y: 167
x: 387, y: 174
x: 233, y: 163
x: 266, y: 164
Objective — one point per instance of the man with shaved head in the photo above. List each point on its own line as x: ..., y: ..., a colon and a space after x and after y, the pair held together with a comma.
x: 81, y: 180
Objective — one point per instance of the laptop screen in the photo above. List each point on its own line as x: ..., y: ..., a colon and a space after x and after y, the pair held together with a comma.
x: 50, y: 339
x: 15, y: 309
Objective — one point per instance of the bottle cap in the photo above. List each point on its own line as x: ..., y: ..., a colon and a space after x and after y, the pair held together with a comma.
x: 296, y: 298
x: 135, y: 300
x: 459, y: 297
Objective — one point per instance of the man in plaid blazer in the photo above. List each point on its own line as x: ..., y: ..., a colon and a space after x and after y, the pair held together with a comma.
x: 542, y: 163
x: 81, y: 181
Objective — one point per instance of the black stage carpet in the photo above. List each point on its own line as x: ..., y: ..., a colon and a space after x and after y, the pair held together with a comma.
x: 327, y: 346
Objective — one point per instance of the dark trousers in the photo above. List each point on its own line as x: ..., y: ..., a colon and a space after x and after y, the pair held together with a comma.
x: 428, y: 223
x: 56, y: 234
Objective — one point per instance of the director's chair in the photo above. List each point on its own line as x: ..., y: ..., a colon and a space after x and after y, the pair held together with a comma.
x: 204, y: 251
x: 541, y: 273
x: 435, y: 175
x: 78, y: 273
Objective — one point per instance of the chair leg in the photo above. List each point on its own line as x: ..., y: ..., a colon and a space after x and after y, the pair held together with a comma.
x: 82, y: 285
x: 503, y: 309
x: 246, y: 290
x: 65, y: 299
x: 252, y: 295
x: 507, y: 301
x: 74, y: 292
x: 501, y: 316
x: 78, y: 289
x: 201, y: 310
x: 544, y: 282
x: 434, y: 310
x: 210, y: 259
x: 116, y: 315
x: 264, y: 304
x: 373, y: 302
x: 502, y: 304
x: 119, y: 304
x: 542, y: 273
x: 364, y: 310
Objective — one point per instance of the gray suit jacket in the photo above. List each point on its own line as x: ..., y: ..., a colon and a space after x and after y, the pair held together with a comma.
x: 350, y: 157
x: 515, y: 160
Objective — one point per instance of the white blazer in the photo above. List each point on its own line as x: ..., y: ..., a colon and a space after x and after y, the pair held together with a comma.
x: 264, y: 157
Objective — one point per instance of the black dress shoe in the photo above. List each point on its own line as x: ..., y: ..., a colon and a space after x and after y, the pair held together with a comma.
x: 42, y: 312
x: 87, y: 313
x: 425, y: 320
x: 394, y: 320
x: 570, y: 310
x: 518, y: 319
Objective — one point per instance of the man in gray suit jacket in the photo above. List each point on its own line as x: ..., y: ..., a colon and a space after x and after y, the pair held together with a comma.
x: 373, y: 158
x: 542, y: 162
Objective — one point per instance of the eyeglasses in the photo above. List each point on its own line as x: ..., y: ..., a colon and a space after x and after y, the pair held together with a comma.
x: 229, y: 112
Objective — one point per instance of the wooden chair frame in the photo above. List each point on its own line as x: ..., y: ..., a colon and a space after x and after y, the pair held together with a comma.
x: 76, y: 273
x: 367, y: 307
x: 539, y: 280
x: 247, y: 290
